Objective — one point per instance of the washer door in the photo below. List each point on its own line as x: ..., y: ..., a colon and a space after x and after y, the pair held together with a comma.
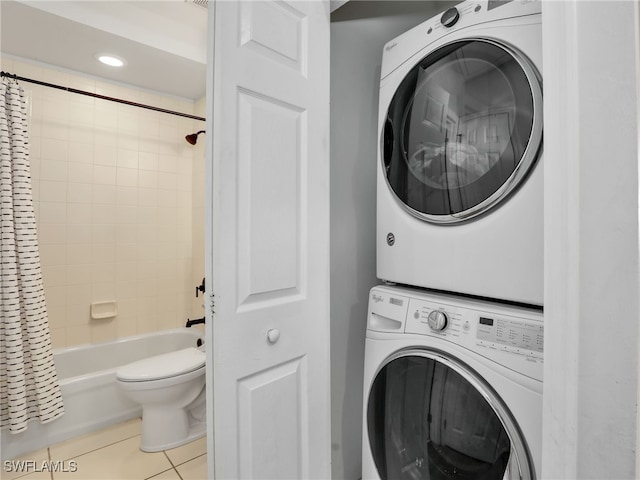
x: 431, y: 417
x: 462, y: 130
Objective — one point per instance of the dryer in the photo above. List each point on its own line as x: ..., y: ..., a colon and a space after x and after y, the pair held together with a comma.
x: 459, y: 188
x: 452, y: 388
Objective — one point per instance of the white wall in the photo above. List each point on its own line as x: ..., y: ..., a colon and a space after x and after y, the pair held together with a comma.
x: 591, y: 239
x: 359, y: 31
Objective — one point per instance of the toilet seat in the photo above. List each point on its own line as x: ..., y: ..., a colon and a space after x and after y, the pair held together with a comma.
x: 159, y: 367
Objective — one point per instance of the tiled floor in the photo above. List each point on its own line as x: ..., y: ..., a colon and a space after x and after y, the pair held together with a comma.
x: 111, y: 454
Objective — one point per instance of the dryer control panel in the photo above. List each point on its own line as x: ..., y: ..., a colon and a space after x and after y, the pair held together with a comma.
x: 466, y: 14
x: 510, y: 336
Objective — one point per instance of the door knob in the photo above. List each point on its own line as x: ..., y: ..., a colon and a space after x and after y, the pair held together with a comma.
x: 273, y: 335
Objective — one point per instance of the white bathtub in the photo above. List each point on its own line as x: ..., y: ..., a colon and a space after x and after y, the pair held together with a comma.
x: 92, y: 399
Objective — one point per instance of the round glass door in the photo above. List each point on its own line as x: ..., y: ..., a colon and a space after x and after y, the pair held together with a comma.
x: 462, y: 131
x: 430, y: 418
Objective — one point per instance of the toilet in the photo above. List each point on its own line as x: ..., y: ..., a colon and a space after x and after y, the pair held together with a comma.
x: 171, y: 390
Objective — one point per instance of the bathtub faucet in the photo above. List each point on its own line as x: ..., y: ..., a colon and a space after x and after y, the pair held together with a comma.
x: 194, y: 322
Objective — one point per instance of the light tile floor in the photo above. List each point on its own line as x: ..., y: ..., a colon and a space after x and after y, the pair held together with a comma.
x: 110, y: 454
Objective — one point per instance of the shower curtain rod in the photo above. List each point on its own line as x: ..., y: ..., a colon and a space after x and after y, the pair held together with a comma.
x: 102, y: 97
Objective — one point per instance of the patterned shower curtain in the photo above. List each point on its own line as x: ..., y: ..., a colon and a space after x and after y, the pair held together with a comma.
x: 29, y: 388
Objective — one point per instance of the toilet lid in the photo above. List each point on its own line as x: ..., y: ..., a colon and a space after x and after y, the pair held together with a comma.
x: 162, y: 366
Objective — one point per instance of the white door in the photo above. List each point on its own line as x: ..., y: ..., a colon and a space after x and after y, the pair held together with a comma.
x: 268, y: 245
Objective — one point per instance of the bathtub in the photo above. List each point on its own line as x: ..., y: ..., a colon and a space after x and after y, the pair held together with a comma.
x: 92, y: 399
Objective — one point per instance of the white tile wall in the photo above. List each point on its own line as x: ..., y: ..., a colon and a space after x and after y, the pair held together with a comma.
x: 114, y: 194
x: 198, y: 174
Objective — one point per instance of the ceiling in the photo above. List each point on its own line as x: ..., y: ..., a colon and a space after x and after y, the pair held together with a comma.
x: 164, y: 42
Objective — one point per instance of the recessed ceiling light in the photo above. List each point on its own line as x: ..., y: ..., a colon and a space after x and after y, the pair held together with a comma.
x: 110, y: 60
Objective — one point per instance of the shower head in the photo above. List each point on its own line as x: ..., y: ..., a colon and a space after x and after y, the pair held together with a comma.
x: 193, y: 137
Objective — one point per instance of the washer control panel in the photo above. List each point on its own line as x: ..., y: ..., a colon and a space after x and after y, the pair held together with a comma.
x: 511, y: 336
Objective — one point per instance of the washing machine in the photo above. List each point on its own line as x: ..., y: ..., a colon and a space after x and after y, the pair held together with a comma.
x: 452, y: 388
x: 460, y: 174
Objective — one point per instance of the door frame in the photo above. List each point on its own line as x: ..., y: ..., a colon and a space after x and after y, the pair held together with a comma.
x: 591, y: 239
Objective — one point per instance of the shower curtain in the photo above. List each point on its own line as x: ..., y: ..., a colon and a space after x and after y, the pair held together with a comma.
x: 29, y: 388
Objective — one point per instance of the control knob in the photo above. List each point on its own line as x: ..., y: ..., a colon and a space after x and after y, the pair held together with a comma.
x: 437, y: 320
x: 450, y: 17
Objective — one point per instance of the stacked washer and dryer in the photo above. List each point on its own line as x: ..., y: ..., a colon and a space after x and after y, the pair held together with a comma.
x: 454, y: 347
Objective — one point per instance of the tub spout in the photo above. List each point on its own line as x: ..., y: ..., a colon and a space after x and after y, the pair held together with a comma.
x: 194, y: 322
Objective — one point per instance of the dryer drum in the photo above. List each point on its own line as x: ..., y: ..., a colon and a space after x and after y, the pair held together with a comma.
x: 462, y: 130
x: 431, y: 417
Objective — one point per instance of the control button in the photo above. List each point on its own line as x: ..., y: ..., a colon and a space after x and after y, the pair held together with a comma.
x: 391, y: 239
x: 466, y: 327
x: 416, y: 314
x: 450, y: 17
x: 478, y: 8
x: 437, y: 320
x: 429, y: 31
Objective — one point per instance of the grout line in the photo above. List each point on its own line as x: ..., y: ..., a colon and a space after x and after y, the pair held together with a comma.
x: 172, y: 465
x: 27, y: 472
x: 49, y: 457
x: 159, y: 473
x: 95, y: 449
x: 193, y: 458
x: 165, y: 454
x: 100, y: 448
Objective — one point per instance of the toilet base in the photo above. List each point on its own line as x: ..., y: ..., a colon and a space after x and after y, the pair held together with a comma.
x: 152, y: 445
x: 163, y: 428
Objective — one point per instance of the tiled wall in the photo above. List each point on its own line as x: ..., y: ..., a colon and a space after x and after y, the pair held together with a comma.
x: 113, y: 191
x: 198, y: 210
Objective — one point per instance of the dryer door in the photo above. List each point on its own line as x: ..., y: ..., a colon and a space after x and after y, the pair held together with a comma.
x: 431, y: 417
x: 462, y: 130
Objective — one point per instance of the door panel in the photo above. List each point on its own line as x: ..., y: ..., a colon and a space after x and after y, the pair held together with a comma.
x: 269, y: 240
x: 271, y: 439
x: 270, y: 158
x: 276, y: 30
